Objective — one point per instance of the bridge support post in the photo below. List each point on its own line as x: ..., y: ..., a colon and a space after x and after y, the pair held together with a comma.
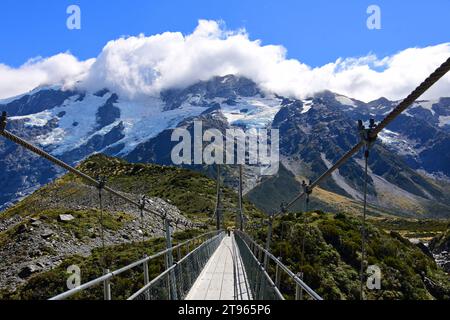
x: 218, y: 199
x: 258, y: 255
x: 269, y: 238
x: 146, y: 278
x: 169, y: 260
x: 263, y: 266
x: 241, y: 207
x: 180, y: 270
x: 262, y: 284
x: 277, y: 275
x: 368, y: 138
x: 298, y: 288
x: 106, y: 287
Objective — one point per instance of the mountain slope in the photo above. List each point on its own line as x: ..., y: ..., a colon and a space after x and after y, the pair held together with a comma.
x: 38, y: 247
x: 409, y: 166
x: 34, y: 239
x: 332, y: 257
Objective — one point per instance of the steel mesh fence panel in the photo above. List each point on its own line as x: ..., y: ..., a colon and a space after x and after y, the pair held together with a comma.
x: 261, y: 285
x: 159, y: 290
x: 265, y: 289
x: 176, y: 282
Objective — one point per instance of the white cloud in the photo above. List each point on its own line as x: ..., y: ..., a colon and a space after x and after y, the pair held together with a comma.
x: 141, y: 65
x: 63, y: 69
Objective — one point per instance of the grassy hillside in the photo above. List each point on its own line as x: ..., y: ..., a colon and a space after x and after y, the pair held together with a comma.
x: 192, y: 192
x: 333, y: 253
x: 332, y: 242
x: 423, y: 229
x: 32, y: 234
x: 51, y: 283
x: 284, y: 186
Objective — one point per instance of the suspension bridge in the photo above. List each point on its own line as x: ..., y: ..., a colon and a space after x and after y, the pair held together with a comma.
x: 220, y: 265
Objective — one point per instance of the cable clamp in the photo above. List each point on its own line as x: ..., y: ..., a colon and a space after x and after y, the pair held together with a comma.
x: 101, y: 183
x: 366, y: 133
x: 142, y: 203
x: 307, y: 188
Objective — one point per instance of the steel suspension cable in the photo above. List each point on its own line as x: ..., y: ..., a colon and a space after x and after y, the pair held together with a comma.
x: 304, y: 231
x: 413, y: 96
x: 102, y: 229
x: 372, y: 135
x: 12, y: 137
x: 241, y: 206
x: 218, y: 209
x: 141, y: 208
x: 363, y: 225
x: 307, y: 191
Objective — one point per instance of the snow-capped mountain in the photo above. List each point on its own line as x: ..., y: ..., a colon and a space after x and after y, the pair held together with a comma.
x: 74, y: 124
x: 412, y: 160
x: 317, y: 132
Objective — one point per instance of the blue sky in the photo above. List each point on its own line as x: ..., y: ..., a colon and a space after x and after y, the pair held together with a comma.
x: 315, y: 32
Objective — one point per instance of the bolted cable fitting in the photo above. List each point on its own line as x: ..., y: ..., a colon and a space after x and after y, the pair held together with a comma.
x: 307, y: 188
x: 142, y: 203
x: 101, y: 183
x: 366, y: 134
x: 304, y: 186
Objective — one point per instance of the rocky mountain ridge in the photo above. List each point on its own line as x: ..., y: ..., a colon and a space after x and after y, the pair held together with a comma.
x: 409, y: 168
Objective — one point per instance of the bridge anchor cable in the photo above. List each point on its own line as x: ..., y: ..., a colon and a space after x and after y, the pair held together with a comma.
x: 25, y: 144
x: 368, y: 138
x: 409, y: 100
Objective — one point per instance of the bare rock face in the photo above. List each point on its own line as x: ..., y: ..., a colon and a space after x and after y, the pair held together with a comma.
x: 323, y: 124
x: 66, y: 217
x: 40, y: 243
x: 47, y: 233
x: 437, y: 290
x: 440, y: 247
x: 424, y: 249
x: 22, y: 229
x: 27, y: 271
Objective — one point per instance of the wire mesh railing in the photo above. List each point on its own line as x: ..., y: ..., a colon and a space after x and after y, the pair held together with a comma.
x: 107, y: 279
x: 259, y: 264
x: 261, y: 285
x: 176, y: 282
x: 252, y: 253
x: 368, y: 136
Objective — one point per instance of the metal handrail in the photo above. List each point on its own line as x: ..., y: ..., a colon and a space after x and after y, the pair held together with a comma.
x: 294, y: 277
x: 262, y: 269
x: 144, y: 288
x: 112, y: 274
